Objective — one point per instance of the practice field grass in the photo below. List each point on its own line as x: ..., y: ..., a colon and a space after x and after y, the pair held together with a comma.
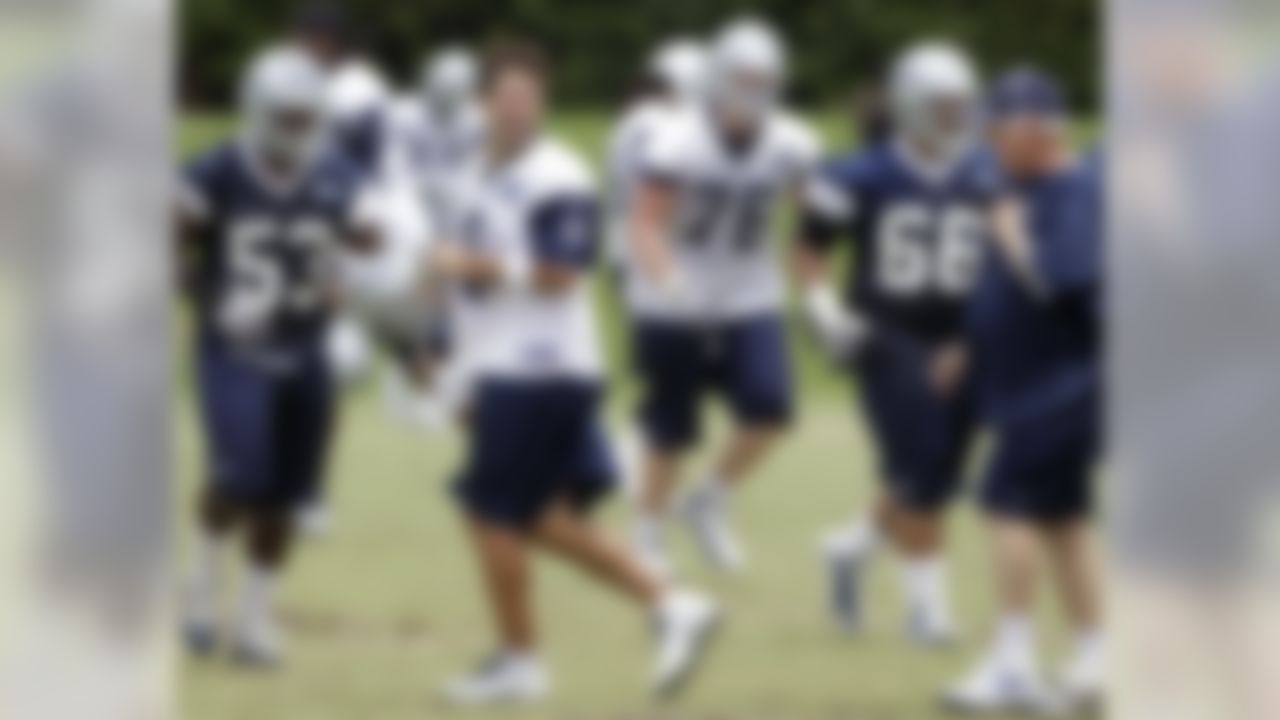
x: 389, y: 606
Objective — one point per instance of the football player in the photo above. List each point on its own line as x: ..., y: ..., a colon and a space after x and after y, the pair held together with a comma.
x: 1034, y: 349
x: 917, y: 205
x: 431, y: 137
x: 357, y: 101
x: 536, y: 460
x: 672, y: 82
x: 261, y: 218
x: 704, y: 285
x: 442, y: 130
x: 358, y: 92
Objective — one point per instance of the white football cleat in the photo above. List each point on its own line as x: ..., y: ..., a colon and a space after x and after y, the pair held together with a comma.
x: 1084, y: 680
x: 931, y: 629
x: 258, y: 644
x: 845, y: 565
x: 705, y: 512
x: 200, y: 622
x: 686, y: 623
x: 1001, y: 688
x: 502, y: 679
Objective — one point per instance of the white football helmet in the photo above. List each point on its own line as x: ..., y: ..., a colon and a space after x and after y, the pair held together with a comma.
x: 681, y: 65
x: 283, y: 105
x: 747, y: 69
x: 449, y: 79
x: 356, y: 88
x: 934, y: 96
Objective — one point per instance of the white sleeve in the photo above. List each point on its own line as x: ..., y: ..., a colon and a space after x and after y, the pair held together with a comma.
x: 806, y: 153
x: 665, y: 156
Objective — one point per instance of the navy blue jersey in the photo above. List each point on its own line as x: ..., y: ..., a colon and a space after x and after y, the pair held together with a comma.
x: 917, y: 239
x: 362, y: 139
x: 1034, y: 354
x: 266, y: 245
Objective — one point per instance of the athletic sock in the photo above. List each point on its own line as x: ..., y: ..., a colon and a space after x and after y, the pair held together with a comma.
x: 1015, y: 642
x: 860, y: 537
x: 1087, y: 646
x: 650, y: 529
x: 259, y: 598
x: 206, y: 569
x: 926, y: 590
x: 716, y: 490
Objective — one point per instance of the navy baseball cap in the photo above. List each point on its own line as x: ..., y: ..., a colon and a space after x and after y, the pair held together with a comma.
x: 1026, y: 91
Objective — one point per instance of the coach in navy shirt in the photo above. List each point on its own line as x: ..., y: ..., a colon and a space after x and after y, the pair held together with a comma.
x: 1034, y: 353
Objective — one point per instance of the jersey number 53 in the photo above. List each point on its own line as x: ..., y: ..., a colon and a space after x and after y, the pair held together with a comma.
x: 276, y: 266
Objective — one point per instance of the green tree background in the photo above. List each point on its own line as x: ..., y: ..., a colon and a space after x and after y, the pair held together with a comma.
x: 597, y: 44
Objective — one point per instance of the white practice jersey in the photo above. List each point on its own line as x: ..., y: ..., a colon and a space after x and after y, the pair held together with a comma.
x: 540, y: 207
x: 722, y: 236
x: 628, y: 145
x: 431, y: 152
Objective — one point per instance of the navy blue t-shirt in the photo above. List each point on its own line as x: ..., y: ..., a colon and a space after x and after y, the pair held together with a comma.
x: 1032, y: 354
x: 267, y: 244
x: 917, y: 240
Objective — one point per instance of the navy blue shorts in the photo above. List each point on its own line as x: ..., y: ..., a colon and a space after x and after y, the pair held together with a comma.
x: 267, y: 431
x: 533, y: 444
x: 746, y: 360
x: 1041, y: 467
x: 921, y: 437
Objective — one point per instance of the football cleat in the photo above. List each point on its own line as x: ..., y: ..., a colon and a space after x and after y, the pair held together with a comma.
x: 258, y: 645
x: 1000, y: 688
x: 845, y: 567
x: 200, y: 638
x: 501, y: 679
x: 199, y: 623
x: 1084, y: 681
x: 930, y: 630
x: 686, y: 624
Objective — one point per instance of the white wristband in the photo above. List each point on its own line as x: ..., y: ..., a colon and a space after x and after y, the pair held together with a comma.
x: 824, y: 307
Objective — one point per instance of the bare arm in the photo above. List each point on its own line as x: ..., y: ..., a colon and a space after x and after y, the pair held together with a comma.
x: 652, y: 215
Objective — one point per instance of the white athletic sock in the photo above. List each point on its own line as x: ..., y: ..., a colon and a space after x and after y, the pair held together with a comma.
x: 925, y: 581
x: 1015, y: 642
x: 206, y: 567
x: 259, y: 598
x: 860, y: 537
x: 1087, y: 646
x: 716, y: 489
x: 650, y: 528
